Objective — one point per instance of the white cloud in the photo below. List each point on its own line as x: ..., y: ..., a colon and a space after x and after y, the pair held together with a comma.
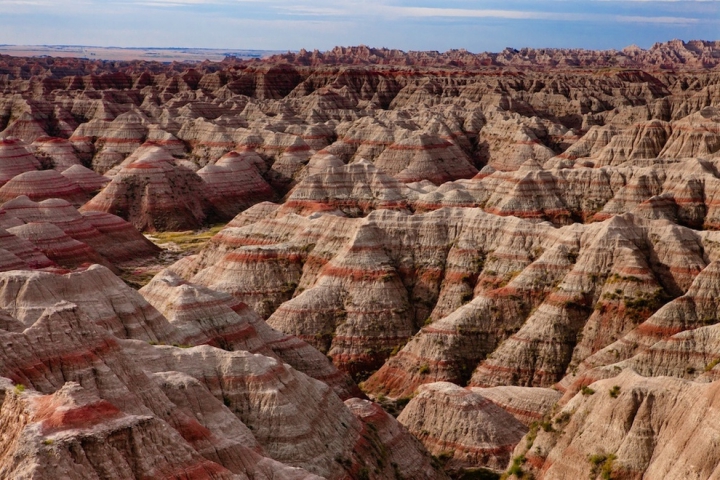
x: 439, y: 12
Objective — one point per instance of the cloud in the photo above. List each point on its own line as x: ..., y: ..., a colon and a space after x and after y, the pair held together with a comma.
x: 410, y: 24
x: 440, y: 12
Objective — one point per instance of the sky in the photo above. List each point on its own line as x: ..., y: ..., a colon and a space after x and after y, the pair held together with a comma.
x: 405, y: 24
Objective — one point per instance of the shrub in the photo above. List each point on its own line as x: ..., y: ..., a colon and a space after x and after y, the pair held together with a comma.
x: 445, y: 456
x: 563, y: 418
x: 615, y: 391
x: 712, y: 364
x: 547, y: 427
x: 587, y: 390
x: 602, y: 463
x: 516, y: 467
x: 424, y: 369
x: 403, y: 401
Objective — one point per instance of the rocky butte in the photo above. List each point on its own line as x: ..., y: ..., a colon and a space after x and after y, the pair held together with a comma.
x: 362, y: 264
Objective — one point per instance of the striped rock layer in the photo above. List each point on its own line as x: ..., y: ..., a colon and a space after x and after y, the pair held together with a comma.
x: 453, y: 295
x: 70, y: 238
x: 530, y: 225
x: 198, y: 412
x: 447, y: 418
x: 629, y: 427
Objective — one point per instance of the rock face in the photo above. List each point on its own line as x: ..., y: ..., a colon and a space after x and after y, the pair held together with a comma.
x: 59, y: 151
x: 205, y: 316
x: 157, y: 193
x: 630, y: 427
x: 233, y: 184
x: 381, y: 429
x: 89, y: 181
x: 111, y: 237
x: 41, y: 185
x: 354, y: 189
x: 527, y: 404
x: 496, y: 269
x: 154, y: 194
x: 425, y: 157
x: 15, y: 159
x: 519, y: 248
x: 249, y: 424
x: 472, y: 429
x: 99, y: 295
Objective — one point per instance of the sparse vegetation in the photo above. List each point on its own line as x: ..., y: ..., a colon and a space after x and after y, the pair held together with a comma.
x: 19, y: 388
x: 187, y: 241
x: 442, y: 458
x: 475, y: 474
x: 516, y: 468
x: 345, y: 462
x: 137, y: 278
x: 587, y: 391
x: 363, y: 474
x: 712, y: 364
x: 563, y: 418
x: 424, y: 369
x: 602, y: 464
x: 547, y: 426
x: 403, y: 401
x: 531, y: 435
x: 615, y: 278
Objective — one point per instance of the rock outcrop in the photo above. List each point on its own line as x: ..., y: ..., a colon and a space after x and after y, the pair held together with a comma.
x: 629, y: 426
x: 111, y: 237
x: 204, y: 316
x: 151, y: 393
x: 15, y: 159
x: 154, y: 194
x: 233, y: 183
x: 43, y: 184
x: 455, y: 422
x: 493, y: 246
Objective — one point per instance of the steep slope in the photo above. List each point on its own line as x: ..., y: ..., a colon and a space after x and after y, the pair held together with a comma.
x: 630, y: 427
x: 465, y: 425
x: 154, y: 194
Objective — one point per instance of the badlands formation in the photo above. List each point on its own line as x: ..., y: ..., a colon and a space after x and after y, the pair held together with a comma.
x: 362, y: 264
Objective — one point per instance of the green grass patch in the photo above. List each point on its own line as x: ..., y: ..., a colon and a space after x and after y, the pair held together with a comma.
x: 187, y: 241
x: 516, y: 468
x: 712, y: 364
x: 602, y: 464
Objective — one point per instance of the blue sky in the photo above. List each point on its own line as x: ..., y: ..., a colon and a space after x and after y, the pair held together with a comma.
x: 405, y: 24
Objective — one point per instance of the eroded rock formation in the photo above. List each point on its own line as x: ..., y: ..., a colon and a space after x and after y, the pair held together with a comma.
x: 516, y: 253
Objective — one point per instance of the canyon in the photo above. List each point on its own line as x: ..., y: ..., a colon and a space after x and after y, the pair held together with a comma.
x: 362, y: 264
